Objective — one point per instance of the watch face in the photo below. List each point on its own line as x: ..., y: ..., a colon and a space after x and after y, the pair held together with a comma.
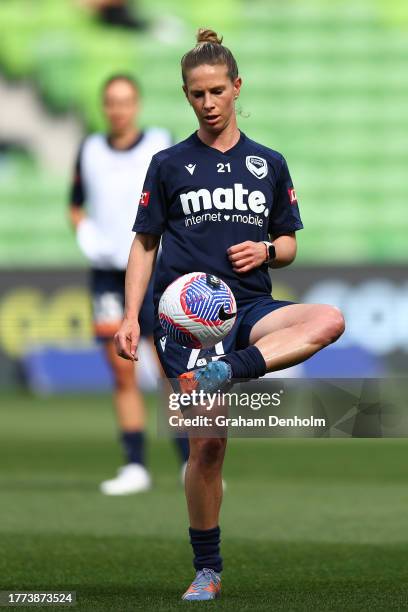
x: 271, y: 252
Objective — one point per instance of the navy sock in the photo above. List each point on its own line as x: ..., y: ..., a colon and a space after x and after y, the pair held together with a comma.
x: 206, y: 547
x: 248, y: 363
x: 133, y: 443
x: 183, y: 448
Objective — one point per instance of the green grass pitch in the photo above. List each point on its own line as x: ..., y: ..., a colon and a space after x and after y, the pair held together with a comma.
x: 307, y: 524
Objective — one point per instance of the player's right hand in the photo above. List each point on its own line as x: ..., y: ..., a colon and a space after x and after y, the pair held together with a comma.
x: 127, y: 339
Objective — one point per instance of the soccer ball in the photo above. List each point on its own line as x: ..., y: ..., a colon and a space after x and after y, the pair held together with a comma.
x: 197, y: 310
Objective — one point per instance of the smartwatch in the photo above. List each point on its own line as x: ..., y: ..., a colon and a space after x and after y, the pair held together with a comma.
x: 271, y: 252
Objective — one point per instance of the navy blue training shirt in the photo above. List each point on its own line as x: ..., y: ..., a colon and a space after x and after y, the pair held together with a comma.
x: 202, y: 201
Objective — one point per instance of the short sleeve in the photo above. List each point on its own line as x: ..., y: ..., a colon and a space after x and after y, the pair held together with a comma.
x: 151, y: 215
x: 285, y: 215
x: 77, y: 192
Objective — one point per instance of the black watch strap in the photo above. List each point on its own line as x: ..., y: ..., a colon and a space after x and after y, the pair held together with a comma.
x: 270, y: 250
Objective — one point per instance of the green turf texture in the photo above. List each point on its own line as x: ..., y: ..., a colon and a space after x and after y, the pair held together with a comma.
x: 307, y: 524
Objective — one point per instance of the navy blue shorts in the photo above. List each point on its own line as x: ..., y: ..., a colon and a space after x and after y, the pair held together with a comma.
x: 176, y: 359
x: 108, y: 302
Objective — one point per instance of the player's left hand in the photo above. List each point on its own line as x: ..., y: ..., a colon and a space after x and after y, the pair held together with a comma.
x: 246, y: 256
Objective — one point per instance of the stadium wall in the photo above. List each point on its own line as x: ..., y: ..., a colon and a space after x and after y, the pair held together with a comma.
x: 46, y: 333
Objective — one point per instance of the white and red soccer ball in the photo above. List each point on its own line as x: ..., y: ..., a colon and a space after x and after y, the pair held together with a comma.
x: 197, y: 310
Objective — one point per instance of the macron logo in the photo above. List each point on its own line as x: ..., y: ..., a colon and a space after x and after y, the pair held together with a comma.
x: 190, y: 168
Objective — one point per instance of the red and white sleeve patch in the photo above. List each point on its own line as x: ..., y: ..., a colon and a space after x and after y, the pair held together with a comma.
x: 144, y: 198
x: 292, y: 196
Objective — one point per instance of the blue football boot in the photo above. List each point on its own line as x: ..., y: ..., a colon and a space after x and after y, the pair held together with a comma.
x: 206, y: 585
x: 215, y: 376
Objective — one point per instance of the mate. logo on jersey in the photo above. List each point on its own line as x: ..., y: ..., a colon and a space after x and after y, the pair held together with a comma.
x: 292, y: 196
x: 238, y: 199
x: 144, y: 198
x: 257, y: 166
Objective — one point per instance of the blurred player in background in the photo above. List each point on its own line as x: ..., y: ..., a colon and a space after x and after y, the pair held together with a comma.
x: 109, y: 175
x: 219, y: 169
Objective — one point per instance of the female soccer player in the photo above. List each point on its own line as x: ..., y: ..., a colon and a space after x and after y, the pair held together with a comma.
x: 225, y: 205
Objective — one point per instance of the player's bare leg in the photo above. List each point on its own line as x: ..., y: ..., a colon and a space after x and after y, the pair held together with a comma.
x: 283, y: 338
x: 130, y: 410
x: 203, y: 483
x: 292, y: 334
x: 204, y: 494
x: 128, y: 398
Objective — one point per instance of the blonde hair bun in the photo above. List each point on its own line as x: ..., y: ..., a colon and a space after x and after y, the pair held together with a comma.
x: 204, y: 35
x: 209, y: 50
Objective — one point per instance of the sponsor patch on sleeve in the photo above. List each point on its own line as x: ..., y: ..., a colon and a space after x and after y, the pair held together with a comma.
x: 144, y: 198
x: 292, y: 196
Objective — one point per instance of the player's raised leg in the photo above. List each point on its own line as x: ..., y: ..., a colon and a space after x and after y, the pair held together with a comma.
x: 282, y: 338
x: 289, y: 335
